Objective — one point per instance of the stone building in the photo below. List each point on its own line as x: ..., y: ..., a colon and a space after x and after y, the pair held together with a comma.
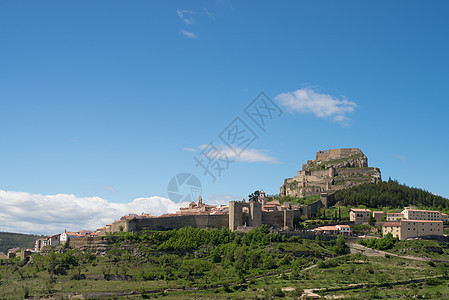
x: 359, y: 215
x: 52, y: 240
x: 195, y: 208
x: 378, y: 215
x: 332, y: 170
x: 406, y: 229
x: 392, y: 227
x: 395, y: 216
x: 415, y: 214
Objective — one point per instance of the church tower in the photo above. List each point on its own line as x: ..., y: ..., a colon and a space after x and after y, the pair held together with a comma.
x: 262, y: 198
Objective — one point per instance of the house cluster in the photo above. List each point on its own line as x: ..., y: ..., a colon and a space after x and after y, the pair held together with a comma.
x: 410, y: 223
x: 416, y: 214
x: 200, y: 208
x: 62, y: 238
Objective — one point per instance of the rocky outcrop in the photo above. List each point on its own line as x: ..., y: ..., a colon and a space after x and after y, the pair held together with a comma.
x: 331, y: 170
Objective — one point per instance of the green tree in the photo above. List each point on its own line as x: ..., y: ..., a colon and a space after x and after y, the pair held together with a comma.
x: 254, y: 197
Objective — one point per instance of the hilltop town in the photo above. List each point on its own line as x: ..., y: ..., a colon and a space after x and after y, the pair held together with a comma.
x: 331, y: 171
x: 309, y: 211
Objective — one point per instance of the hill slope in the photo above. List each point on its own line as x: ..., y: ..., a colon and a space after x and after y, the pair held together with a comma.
x: 390, y: 194
x: 10, y: 240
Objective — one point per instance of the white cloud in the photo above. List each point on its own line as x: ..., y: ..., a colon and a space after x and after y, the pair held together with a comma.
x: 189, y: 34
x: 307, y: 100
x: 189, y: 149
x: 109, y: 188
x: 402, y: 158
x: 221, y: 199
x: 48, y: 214
x: 238, y: 154
x: 185, y: 15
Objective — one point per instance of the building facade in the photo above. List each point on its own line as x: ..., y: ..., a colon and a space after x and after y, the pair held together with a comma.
x: 394, y: 216
x: 415, y: 214
x: 406, y: 229
x: 359, y: 215
x: 378, y: 215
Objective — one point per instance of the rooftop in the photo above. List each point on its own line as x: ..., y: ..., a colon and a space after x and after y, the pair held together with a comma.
x: 422, y: 221
x: 344, y: 226
x: 391, y: 224
x: 422, y: 210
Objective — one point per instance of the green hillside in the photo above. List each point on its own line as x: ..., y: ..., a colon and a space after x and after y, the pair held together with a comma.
x: 390, y: 194
x: 10, y: 240
x: 193, y: 263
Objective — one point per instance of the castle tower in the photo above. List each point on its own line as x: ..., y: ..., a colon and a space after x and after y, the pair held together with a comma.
x: 200, y: 201
x: 262, y: 198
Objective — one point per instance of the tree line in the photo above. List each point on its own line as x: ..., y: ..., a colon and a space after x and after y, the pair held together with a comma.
x: 389, y: 194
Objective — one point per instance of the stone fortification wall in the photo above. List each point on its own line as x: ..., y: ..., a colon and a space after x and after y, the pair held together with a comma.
x: 336, y: 153
x: 165, y: 223
x: 277, y: 219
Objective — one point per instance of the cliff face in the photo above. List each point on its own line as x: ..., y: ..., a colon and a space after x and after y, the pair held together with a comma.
x: 331, y: 170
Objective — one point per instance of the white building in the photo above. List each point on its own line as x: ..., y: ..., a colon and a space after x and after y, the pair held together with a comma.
x: 344, y: 229
x: 415, y: 214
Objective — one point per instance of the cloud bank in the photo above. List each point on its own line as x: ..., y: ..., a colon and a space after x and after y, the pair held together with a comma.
x: 49, y: 214
x: 309, y: 101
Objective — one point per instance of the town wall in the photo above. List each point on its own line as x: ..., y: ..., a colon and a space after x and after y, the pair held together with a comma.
x: 175, y: 222
x: 277, y: 219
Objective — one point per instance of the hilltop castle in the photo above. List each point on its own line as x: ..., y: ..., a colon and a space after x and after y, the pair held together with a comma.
x: 332, y: 170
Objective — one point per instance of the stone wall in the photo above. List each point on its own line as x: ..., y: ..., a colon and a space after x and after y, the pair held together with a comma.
x: 279, y: 219
x: 336, y: 153
x: 165, y: 223
x: 96, y: 245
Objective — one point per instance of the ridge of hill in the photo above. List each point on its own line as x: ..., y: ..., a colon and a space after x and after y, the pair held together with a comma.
x: 390, y: 194
x: 10, y: 240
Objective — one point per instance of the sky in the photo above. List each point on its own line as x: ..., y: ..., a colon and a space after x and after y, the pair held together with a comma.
x: 107, y: 107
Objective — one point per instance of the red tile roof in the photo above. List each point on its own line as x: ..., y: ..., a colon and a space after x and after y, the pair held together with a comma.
x: 360, y: 209
x: 391, y: 224
x: 425, y: 221
x: 328, y: 228
x: 344, y: 226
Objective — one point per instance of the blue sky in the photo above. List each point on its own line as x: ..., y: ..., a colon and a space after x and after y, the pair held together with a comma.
x: 108, y: 99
